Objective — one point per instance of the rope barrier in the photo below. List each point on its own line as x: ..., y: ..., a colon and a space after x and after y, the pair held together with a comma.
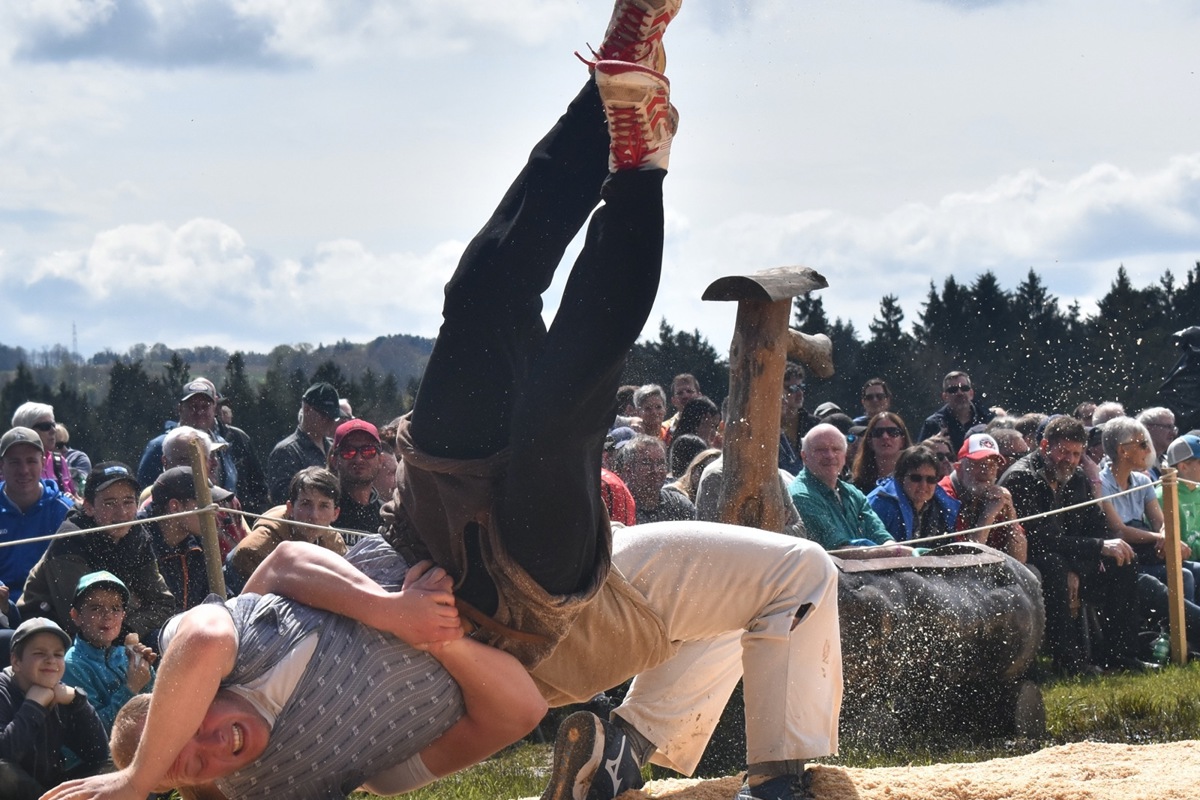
x: 1022, y: 520
x: 114, y: 526
x: 352, y: 536
x: 348, y: 534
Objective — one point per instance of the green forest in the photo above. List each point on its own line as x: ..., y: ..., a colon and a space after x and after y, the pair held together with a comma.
x: 1024, y: 349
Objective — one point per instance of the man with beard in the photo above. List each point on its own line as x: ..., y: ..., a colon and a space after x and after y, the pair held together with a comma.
x: 1050, y: 478
x: 354, y: 458
x: 973, y: 483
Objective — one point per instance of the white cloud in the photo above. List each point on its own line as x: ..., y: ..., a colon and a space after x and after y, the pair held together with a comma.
x: 200, y: 283
x: 1073, y: 232
x: 270, y: 33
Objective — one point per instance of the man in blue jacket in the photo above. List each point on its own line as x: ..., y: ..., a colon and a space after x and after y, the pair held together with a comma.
x: 30, y: 506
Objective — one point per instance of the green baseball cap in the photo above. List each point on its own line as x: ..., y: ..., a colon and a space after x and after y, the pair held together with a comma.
x: 100, y: 578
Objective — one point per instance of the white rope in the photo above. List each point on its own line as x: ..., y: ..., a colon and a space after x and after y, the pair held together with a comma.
x: 348, y: 534
x: 113, y: 527
x: 1022, y: 520
x: 354, y: 535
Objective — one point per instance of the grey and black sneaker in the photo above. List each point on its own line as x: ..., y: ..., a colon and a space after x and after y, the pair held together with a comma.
x: 593, y: 760
x: 784, y: 787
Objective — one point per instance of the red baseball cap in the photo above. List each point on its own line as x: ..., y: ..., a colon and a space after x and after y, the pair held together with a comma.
x: 350, y: 426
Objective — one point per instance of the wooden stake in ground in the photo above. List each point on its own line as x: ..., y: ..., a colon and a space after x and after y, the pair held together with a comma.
x: 750, y: 492
x: 1170, y: 487
x: 208, y: 519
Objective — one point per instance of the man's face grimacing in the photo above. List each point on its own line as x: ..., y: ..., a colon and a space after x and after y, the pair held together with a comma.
x: 1062, y: 458
x: 232, y: 735
x: 824, y: 453
x: 198, y: 411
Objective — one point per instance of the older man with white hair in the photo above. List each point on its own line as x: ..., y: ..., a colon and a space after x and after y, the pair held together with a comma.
x: 836, y: 514
x: 1160, y: 424
x: 40, y: 418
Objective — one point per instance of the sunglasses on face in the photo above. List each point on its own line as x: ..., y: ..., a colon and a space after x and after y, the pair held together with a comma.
x: 879, y: 433
x: 367, y: 451
x: 956, y: 389
x: 44, y: 427
x: 930, y: 480
x: 874, y: 397
x: 792, y: 388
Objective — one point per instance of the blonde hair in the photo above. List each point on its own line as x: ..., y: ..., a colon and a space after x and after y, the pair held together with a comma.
x: 127, y: 730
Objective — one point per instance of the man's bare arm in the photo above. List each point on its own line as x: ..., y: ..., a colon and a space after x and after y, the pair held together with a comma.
x: 201, y: 653
x: 421, y: 614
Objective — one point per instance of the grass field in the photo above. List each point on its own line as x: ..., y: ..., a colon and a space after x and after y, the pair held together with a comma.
x: 1139, y: 709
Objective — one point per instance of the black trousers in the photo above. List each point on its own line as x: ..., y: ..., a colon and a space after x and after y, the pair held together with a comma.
x: 1112, y: 588
x: 499, y: 378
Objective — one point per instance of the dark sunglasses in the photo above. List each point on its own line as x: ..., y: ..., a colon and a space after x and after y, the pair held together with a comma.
x: 874, y: 397
x: 792, y: 388
x: 44, y: 427
x: 956, y: 389
x: 879, y: 433
x: 912, y: 477
x: 368, y: 452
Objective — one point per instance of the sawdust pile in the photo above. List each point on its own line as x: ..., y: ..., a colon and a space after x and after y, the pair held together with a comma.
x: 1081, y: 771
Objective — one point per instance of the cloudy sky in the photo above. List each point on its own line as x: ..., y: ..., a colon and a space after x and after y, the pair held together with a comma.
x: 246, y: 173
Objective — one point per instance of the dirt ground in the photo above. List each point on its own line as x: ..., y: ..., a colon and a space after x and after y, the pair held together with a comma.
x: 1081, y: 771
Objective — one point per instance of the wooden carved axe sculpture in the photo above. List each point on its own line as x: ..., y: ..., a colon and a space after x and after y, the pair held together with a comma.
x: 762, y: 343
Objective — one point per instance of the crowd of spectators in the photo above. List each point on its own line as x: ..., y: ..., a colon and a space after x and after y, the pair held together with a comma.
x: 861, y: 485
x: 86, y: 608
x: 857, y: 483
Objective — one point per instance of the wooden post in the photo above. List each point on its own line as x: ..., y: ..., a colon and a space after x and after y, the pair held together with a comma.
x: 208, y: 519
x: 1170, y: 487
x: 750, y: 491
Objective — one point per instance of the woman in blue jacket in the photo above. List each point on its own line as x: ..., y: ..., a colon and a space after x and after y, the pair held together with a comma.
x: 910, y: 503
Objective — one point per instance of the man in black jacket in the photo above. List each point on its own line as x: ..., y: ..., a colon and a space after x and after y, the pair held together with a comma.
x: 1074, y: 542
x: 959, y: 414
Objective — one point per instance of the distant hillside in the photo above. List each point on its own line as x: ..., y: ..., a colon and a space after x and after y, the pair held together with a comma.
x: 400, y: 355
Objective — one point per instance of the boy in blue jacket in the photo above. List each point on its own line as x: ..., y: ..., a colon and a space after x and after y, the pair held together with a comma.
x: 111, y: 672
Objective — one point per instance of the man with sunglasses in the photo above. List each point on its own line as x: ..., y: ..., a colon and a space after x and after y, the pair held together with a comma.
x: 876, y: 398
x: 40, y: 417
x: 959, y: 414
x: 354, y: 458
